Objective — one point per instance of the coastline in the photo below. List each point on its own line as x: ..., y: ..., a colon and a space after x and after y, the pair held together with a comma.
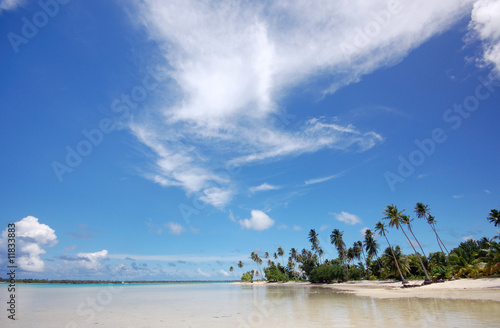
x: 484, y: 289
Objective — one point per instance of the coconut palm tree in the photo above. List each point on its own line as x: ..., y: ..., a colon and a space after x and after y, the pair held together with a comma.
x: 423, y: 211
x: 281, y: 252
x: 256, y: 258
x: 266, y: 255
x: 313, y: 239
x: 338, y: 242
x: 381, y: 228
x: 406, y: 220
x: 494, y: 217
x: 358, y: 245
x: 396, y: 219
x: 371, y: 247
x: 231, y: 269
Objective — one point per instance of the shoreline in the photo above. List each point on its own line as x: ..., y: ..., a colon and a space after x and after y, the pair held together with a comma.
x: 483, y: 289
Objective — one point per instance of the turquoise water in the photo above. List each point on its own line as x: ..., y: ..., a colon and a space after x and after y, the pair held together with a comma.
x: 226, y: 305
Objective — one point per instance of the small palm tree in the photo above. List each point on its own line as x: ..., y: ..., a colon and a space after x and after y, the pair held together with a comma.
x: 396, y: 219
x: 381, y: 228
x: 313, y: 239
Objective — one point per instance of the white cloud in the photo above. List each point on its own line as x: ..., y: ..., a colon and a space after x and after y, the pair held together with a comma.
x: 324, y: 179
x: 263, y: 187
x: 224, y: 273
x: 457, y: 196
x: 465, y: 238
x: 31, y: 238
x: 282, y: 227
x: 485, y: 21
x: 230, y: 64
x: 175, y: 228
x: 203, y: 274
x: 297, y: 228
x: 347, y: 218
x: 174, y: 258
x: 10, y: 4
x: 91, y: 261
x: 258, y: 221
x: 487, y: 191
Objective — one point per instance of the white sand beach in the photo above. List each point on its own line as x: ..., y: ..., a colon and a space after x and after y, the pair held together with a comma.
x: 466, y: 289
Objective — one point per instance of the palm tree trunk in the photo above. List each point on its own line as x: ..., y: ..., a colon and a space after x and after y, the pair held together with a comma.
x: 427, y: 279
x: 364, y: 271
x: 439, y: 239
x: 403, y: 280
x: 409, y: 227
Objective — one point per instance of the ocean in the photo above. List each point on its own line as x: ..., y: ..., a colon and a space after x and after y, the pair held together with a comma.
x: 232, y: 305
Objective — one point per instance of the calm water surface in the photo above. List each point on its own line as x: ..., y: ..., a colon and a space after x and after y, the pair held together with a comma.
x: 226, y: 305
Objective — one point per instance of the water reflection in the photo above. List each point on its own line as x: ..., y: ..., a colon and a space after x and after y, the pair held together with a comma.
x: 321, y: 307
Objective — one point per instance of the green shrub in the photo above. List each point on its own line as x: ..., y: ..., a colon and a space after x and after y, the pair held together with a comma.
x: 326, y: 273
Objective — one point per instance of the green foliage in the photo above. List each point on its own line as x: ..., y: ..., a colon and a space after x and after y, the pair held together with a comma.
x: 326, y: 273
x: 247, y: 276
x: 276, y: 273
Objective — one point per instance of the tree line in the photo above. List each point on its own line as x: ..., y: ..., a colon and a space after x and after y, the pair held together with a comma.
x: 470, y: 259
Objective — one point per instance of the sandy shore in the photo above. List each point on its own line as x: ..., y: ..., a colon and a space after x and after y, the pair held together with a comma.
x: 466, y: 289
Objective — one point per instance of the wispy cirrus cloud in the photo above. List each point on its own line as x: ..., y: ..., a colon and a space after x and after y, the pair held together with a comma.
x: 263, y: 187
x: 231, y: 63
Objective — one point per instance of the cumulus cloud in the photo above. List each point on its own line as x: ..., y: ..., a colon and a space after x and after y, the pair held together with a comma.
x: 485, y: 22
x: 263, y: 187
x: 258, y: 221
x: 91, y: 261
x: 175, y: 228
x: 347, y: 218
x: 231, y: 63
x: 31, y: 239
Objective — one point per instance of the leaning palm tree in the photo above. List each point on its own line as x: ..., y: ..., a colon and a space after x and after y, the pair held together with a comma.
x: 381, y: 228
x: 338, y: 242
x: 396, y: 219
x: 406, y: 220
x: 423, y: 211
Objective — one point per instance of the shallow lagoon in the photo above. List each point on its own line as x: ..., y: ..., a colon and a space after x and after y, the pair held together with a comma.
x: 228, y: 305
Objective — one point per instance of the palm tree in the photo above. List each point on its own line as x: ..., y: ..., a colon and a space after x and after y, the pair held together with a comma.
x: 256, y: 258
x: 381, y: 228
x: 396, y: 218
x: 338, y: 242
x: 266, y: 255
x: 231, y: 269
x: 294, y: 256
x: 240, y: 264
x: 358, y: 245
x: 371, y: 247
x: 494, y: 217
x: 281, y: 252
x: 313, y: 239
x: 423, y: 211
x: 406, y: 220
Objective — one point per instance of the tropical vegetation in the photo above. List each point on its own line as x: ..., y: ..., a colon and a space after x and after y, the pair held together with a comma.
x: 364, y: 259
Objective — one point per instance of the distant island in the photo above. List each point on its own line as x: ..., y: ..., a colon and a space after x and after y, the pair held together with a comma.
x: 93, y: 282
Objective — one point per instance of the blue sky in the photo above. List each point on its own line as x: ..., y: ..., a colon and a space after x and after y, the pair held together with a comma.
x: 169, y: 140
